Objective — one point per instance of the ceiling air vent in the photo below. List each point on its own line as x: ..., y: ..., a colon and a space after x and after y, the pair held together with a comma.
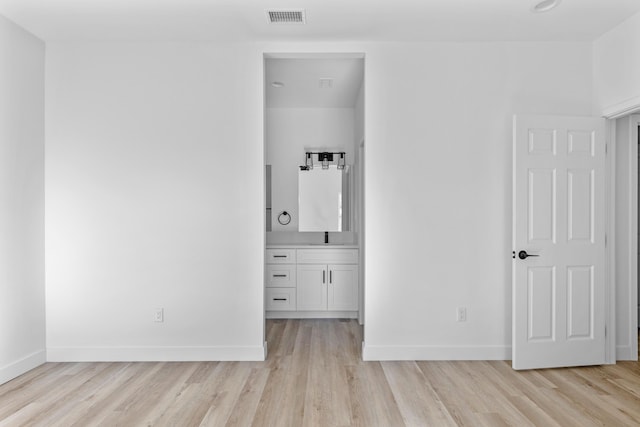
x: 286, y: 16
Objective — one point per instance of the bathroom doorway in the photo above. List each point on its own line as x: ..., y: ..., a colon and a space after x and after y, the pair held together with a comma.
x: 314, y: 129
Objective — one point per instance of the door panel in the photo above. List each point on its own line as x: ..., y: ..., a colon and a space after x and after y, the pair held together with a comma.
x: 580, y: 288
x: 558, y: 219
x: 541, y: 289
x: 542, y: 209
x: 311, y: 287
x: 581, y: 207
x: 343, y: 287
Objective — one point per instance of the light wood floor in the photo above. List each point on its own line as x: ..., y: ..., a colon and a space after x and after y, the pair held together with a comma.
x: 314, y: 377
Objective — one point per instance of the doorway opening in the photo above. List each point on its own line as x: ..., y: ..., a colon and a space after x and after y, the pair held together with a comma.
x: 314, y: 199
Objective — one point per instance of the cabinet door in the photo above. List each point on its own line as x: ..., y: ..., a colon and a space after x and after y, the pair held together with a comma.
x: 312, y: 287
x: 343, y: 287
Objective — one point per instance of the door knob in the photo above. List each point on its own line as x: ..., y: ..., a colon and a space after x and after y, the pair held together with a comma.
x: 524, y: 255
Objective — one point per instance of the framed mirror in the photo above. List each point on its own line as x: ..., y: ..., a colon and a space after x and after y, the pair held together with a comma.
x: 320, y: 199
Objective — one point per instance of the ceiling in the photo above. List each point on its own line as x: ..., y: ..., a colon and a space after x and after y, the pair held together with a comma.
x: 302, y: 87
x: 327, y: 20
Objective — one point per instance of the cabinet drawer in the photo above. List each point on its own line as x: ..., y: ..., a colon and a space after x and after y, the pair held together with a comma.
x: 282, y: 299
x: 281, y: 256
x: 280, y: 275
x: 327, y: 256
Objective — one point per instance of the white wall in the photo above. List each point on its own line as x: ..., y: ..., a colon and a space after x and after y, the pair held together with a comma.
x: 438, y: 187
x: 155, y: 192
x: 155, y: 198
x: 22, y: 310
x: 290, y: 132
x: 616, y: 65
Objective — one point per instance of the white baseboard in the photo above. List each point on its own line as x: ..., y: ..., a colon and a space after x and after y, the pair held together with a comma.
x: 21, y: 366
x: 400, y: 352
x: 156, y: 354
x: 625, y: 353
x: 311, y: 315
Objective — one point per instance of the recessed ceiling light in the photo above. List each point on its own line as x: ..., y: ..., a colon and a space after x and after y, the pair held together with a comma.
x: 277, y: 84
x: 544, y: 5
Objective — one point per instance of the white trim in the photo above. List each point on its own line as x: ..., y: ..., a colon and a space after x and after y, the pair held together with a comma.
x: 156, y: 354
x: 634, y: 122
x: 313, y: 55
x: 628, y: 351
x: 610, y: 292
x: 21, y: 366
x: 624, y: 108
x: 625, y: 352
x: 311, y: 315
x: 435, y: 352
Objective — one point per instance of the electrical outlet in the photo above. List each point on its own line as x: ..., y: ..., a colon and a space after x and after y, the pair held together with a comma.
x: 159, y: 315
x: 461, y: 314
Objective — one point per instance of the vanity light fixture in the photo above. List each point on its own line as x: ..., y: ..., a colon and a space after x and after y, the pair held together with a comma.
x: 277, y: 84
x: 544, y: 5
x: 325, y: 158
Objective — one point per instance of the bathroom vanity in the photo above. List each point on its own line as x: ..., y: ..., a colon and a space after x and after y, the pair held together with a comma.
x: 311, y: 281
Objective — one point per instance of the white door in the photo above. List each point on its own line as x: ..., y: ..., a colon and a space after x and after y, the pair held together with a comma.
x: 342, y: 292
x: 311, y: 290
x: 559, y: 222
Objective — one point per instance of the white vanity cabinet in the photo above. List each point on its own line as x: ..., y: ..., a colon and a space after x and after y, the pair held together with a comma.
x: 327, y: 287
x: 325, y: 281
x: 280, y: 280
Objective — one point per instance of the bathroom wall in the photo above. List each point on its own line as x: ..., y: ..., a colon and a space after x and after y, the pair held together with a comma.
x: 22, y: 289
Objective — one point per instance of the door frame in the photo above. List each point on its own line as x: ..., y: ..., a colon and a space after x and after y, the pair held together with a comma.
x: 625, y: 352
x: 287, y: 53
x: 610, y: 230
x: 630, y: 108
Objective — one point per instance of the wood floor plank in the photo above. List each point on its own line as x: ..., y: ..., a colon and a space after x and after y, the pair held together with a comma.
x: 198, y: 398
x: 418, y: 402
x: 326, y: 403
x: 245, y: 409
x: 314, y: 376
x: 372, y: 400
